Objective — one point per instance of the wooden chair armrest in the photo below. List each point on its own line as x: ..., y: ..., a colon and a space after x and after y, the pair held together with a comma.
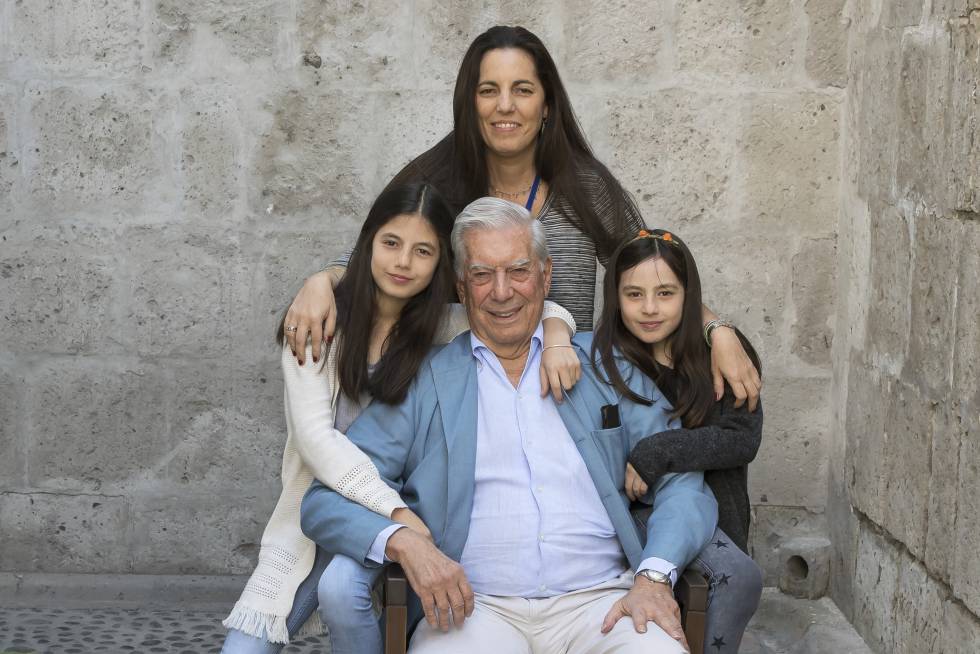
x: 691, y: 592
x: 393, y: 588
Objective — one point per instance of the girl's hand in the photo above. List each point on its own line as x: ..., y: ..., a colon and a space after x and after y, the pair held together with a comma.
x: 410, y: 519
x: 560, y: 367
x: 313, y: 313
x: 635, y: 486
x: 730, y: 363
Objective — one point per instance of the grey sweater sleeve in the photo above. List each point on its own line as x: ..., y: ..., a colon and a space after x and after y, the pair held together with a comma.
x: 729, y: 438
x: 341, y: 261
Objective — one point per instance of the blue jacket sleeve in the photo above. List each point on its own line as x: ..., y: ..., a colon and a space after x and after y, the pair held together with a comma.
x: 386, y: 434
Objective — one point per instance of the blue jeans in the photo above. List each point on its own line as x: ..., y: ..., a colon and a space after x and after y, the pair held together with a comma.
x: 304, y: 604
x: 346, y: 608
x: 734, y: 589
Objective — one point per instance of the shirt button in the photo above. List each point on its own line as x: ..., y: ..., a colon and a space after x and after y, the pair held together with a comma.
x: 541, y: 536
x: 542, y: 587
x: 540, y: 490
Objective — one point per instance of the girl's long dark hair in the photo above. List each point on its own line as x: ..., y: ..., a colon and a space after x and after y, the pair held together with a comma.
x: 688, y: 350
x: 457, y: 164
x: 414, y: 332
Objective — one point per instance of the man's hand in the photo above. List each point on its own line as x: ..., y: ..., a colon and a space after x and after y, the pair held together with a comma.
x: 439, y: 581
x: 648, y: 601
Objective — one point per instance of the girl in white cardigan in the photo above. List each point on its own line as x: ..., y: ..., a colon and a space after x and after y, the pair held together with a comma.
x: 391, y: 308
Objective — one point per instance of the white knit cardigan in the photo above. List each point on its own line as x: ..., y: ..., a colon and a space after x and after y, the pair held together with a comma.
x: 315, y: 449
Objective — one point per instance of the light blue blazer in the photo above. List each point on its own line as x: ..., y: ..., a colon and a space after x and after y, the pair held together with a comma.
x: 426, y: 448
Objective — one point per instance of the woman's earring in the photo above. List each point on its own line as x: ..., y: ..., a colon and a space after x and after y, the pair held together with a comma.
x: 544, y: 121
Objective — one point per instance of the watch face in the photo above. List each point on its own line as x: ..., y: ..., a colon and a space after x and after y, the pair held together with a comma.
x: 655, y: 576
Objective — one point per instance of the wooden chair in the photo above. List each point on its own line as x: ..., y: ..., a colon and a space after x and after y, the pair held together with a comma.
x: 691, y: 592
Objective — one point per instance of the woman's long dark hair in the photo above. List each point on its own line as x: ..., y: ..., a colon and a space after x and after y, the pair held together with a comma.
x: 414, y: 332
x: 457, y: 164
x: 688, y: 350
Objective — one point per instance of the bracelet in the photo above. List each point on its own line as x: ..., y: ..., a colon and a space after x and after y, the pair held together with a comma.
x: 548, y: 347
x: 710, y: 327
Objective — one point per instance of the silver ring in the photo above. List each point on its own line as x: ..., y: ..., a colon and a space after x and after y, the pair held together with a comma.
x: 291, y: 328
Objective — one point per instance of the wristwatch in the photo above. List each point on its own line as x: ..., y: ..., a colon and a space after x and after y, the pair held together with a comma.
x: 655, y: 577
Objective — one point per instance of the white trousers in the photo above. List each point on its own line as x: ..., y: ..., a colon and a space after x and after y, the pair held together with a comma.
x: 568, y: 623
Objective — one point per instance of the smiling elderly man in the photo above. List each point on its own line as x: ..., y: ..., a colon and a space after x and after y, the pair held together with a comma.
x: 533, y: 540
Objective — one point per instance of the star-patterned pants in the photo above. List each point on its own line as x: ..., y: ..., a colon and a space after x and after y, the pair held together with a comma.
x: 735, y: 586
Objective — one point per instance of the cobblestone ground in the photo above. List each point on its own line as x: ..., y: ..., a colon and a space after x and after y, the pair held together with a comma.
x: 80, y: 631
x: 782, y: 625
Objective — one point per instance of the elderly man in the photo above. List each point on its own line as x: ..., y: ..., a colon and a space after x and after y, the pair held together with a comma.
x: 533, y: 540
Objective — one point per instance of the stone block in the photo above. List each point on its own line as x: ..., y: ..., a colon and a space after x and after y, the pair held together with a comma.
x: 865, y: 428
x: 92, y: 148
x: 900, y: 13
x: 59, y: 289
x: 806, y: 566
x: 303, y: 166
x: 907, y: 448
x: 212, y: 151
x: 943, y: 489
x: 875, y: 589
x: 964, y: 112
x: 729, y: 265
x: 96, y: 424
x: 873, y: 80
x: 78, y: 37
x: 842, y: 530
x: 791, y: 467
x: 199, y: 533
x: 53, y: 532
x: 814, y: 281
x: 625, y: 41
x: 919, y: 609
x: 179, y: 291
x: 923, y: 107
x: 966, y: 344
x: 228, y: 430
x: 9, y: 154
x: 673, y: 150
x: 246, y: 33
x: 753, y: 41
x: 933, y: 305
x: 966, y: 557
x: 787, y: 156
x: 409, y: 123
x: 13, y: 426
x: 888, y: 316
x: 774, y: 525
x: 826, y: 42
x: 442, y: 30
x: 277, y: 265
x: 961, y: 630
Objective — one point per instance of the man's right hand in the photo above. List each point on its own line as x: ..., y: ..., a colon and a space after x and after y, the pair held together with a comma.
x: 439, y: 581
x: 313, y: 313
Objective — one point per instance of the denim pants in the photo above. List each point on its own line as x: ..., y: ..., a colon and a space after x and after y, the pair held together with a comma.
x: 346, y: 607
x: 304, y: 604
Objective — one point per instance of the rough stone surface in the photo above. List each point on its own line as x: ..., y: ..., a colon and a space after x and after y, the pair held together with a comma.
x: 625, y: 44
x: 755, y: 42
x: 826, y: 52
x: 814, y: 278
x: 788, y: 159
x: 61, y: 533
x: 77, y: 37
x: 773, y: 525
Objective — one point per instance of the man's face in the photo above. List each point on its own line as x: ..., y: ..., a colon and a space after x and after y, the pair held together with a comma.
x: 503, y: 287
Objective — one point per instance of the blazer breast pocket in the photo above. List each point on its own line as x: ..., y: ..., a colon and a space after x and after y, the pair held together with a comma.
x: 612, y: 445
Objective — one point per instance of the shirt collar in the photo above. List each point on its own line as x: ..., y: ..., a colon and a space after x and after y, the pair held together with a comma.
x: 480, y: 349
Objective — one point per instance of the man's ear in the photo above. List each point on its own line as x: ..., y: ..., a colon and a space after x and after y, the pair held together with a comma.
x: 461, y: 290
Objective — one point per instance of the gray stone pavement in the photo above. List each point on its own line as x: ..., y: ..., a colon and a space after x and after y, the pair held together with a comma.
x: 783, y: 625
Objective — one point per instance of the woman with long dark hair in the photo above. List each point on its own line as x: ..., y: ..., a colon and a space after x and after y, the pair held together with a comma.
x: 391, y: 308
x: 651, y: 319
x: 516, y: 137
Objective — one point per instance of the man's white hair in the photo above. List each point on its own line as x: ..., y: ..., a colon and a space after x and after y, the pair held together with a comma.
x: 490, y: 214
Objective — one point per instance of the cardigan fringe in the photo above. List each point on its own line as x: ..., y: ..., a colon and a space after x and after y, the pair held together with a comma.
x: 268, y: 626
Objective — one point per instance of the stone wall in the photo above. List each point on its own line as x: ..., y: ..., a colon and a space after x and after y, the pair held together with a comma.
x: 904, y: 483
x: 170, y: 170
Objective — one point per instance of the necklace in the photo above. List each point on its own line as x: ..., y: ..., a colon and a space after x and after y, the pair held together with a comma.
x: 505, y: 194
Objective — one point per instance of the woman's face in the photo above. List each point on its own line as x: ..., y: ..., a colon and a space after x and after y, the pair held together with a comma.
x: 404, y: 255
x: 510, y: 102
x: 651, y: 300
